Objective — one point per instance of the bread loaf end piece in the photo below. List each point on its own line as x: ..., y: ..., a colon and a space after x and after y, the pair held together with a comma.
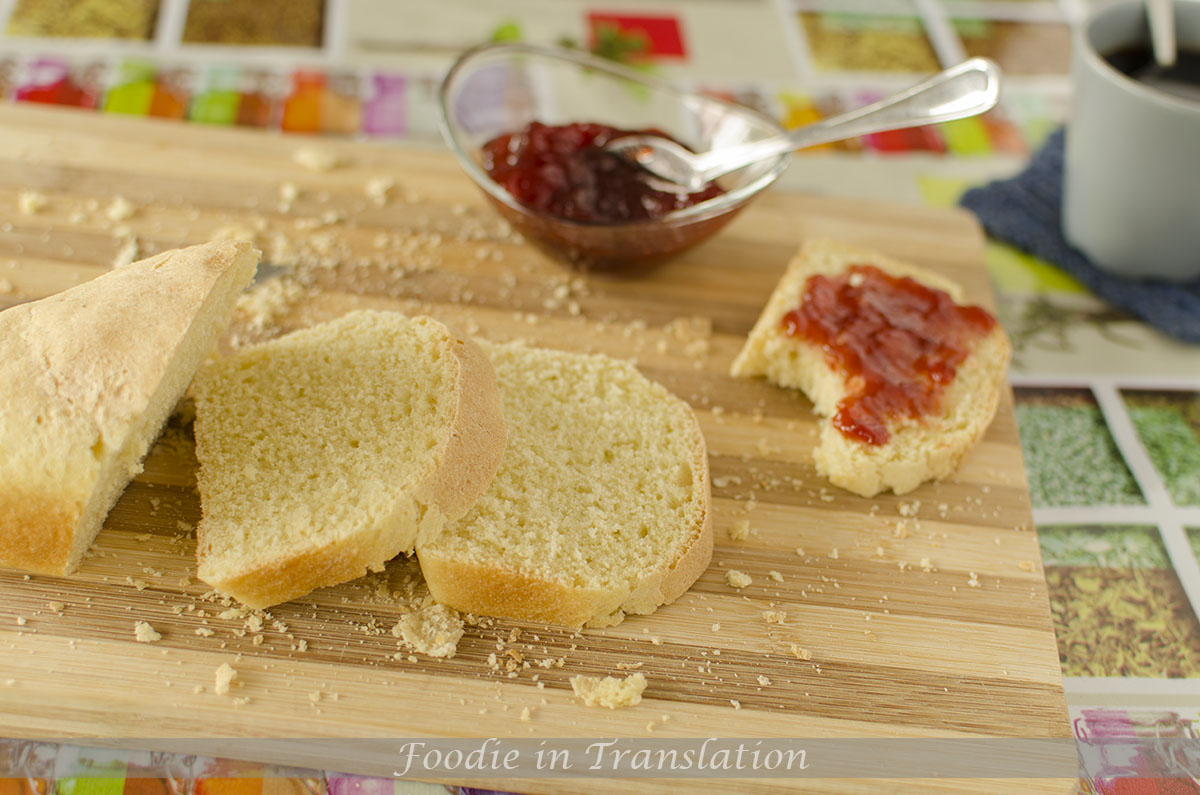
x: 88, y: 377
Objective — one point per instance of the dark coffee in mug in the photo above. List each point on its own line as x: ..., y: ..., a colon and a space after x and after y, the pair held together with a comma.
x: 1181, y: 79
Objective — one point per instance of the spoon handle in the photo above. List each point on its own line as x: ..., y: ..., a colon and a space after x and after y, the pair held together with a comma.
x: 968, y: 89
x: 1161, y: 14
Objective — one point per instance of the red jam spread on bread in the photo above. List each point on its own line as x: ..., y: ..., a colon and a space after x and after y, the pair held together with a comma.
x: 564, y: 171
x: 898, y: 342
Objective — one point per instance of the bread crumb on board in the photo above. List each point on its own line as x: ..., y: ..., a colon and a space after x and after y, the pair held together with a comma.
x: 144, y: 633
x: 315, y: 158
x: 800, y: 653
x: 30, y: 202
x: 378, y: 188
x: 433, y: 630
x: 739, y: 530
x: 737, y: 579
x: 609, y: 691
x: 120, y: 209
x: 224, y: 678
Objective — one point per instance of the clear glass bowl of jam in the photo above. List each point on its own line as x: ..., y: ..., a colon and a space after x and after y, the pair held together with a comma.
x: 528, y: 124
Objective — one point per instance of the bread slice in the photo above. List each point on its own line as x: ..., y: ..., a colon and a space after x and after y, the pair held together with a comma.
x: 87, y: 379
x: 600, y: 508
x: 919, y: 449
x: 327, y: 452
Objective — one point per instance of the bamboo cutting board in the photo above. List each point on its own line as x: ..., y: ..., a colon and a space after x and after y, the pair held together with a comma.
x: 920, y: 616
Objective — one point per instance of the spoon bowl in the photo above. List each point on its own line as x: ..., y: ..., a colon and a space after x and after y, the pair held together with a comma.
x: 968, y: 89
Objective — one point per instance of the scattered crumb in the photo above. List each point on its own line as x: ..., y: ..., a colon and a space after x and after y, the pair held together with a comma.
x: 739, y: 530
x: 21, y: 621
x: 224, y: 677
x: 737, y: 579
x: 204, y: 632
x: 30, y: 202
x: 6, y: 287
x: 763, y: 680
x: 288, y: 192
x: 736, y: 704
x: 609, y: 692
x: 316, y: 159
x: 1026, y: 565
x: 526, y: 714
x: 800, y: 653
x: 774, y: 575
x: 433, y: 630
x: 235, y: 232
x: 378, y: 188
x: 774, y: 616
x: 126, y: 254
x: 55, y: 607
x: 120, y: 209
x: 144, y: 633
x: 973, y: 581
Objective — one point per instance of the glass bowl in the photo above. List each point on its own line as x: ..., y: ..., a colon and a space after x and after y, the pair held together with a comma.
x: 500, y: 88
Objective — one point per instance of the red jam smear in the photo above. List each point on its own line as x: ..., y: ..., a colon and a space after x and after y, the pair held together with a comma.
x: 898, y: 342
x: 565, y: 172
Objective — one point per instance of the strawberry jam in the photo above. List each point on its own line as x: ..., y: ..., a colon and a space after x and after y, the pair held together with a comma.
x: 898, y: 342
x: 565, y: 172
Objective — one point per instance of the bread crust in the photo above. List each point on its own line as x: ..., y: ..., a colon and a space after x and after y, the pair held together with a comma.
x: 475, y: 444
x: 920, y: 449
x: 81, y: 373
x: 450, y: 484
x: 499, y: 590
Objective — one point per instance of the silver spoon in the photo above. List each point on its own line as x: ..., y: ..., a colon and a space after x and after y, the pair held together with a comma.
x: 1161, y: 15
x: 968, y: 89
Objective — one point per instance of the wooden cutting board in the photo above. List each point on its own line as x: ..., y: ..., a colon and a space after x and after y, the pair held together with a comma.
x: 922, y: 616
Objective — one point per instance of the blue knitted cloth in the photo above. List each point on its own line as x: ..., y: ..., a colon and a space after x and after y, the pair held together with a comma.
x: 1026, y: 211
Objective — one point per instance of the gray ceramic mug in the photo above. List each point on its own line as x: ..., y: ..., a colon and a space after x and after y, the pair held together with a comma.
x: 1131, y: 187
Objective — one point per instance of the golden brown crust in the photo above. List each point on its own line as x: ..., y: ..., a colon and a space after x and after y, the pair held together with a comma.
x: 477, y: 437
x: 287, y: 577
x: 37, y: 532
x: 86, y: 376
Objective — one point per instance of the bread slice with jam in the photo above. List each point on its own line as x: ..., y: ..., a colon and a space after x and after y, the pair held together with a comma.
x: 906, y: 374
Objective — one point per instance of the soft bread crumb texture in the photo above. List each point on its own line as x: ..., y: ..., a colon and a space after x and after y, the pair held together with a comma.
x: 920, y: 449
x: 433, y: 630
x: 88, y: 377
x: 600, y: 507
x: 610, y: 691
x: 325, y: 453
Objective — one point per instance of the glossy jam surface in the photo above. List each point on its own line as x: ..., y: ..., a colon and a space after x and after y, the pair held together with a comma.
x: 565, y: 172
x: 898, y: 342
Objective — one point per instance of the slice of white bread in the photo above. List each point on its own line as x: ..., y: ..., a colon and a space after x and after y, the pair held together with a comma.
x: 919, y: 449
x: 325, y: 453
x: 87, y: 379
x: 600, y: 508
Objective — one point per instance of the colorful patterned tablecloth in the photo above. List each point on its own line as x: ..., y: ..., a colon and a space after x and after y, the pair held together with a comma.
x: 1108, y: 410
